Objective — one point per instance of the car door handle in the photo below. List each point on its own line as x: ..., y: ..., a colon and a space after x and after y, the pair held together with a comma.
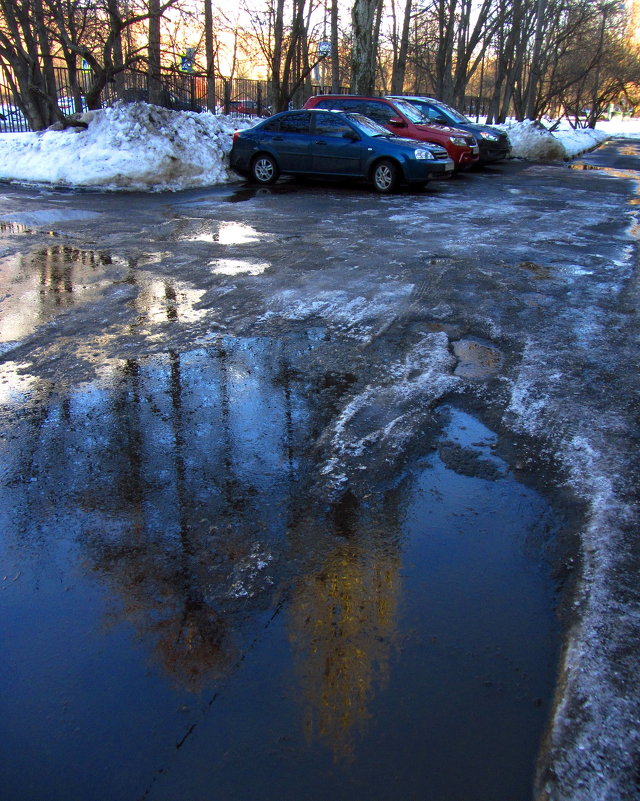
x: 320, y: 142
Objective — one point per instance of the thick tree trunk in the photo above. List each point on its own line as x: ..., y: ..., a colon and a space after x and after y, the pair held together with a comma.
x: 363, y: 52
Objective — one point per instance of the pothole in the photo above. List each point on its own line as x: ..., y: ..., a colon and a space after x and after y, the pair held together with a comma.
x: 476, y: 359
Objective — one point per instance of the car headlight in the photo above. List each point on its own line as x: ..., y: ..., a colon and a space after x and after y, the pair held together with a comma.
x: 422, y: 153
x: 458, y: 140
x: 488, y: 136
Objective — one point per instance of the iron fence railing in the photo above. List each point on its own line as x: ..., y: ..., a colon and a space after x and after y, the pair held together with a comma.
x: 180, y: 91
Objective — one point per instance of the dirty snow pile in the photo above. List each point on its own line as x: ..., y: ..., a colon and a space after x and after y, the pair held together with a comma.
x: 133, y: 147
x: 533, y: 141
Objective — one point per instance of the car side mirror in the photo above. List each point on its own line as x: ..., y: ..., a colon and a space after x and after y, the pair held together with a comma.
x: 397, y: 122
x: 352, y: 135
x: 440, y: 120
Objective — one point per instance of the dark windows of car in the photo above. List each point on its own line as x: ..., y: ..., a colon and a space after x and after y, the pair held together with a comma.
x: 413, y: 114
x: 379, y: 112
x: 295, y: 123
x: 343, y: 105
x: 440, y: 113
x: 432, y: 114
x: 332, y: 125
x: 367, y: 125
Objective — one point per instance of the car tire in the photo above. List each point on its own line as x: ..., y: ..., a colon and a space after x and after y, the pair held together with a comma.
x: 264, y: 169
x: 385, y: 177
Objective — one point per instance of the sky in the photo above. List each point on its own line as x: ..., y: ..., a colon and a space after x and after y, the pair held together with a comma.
x: 138, y: 147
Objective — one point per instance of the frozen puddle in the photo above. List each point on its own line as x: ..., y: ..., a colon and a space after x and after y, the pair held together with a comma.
x: 180, y: 622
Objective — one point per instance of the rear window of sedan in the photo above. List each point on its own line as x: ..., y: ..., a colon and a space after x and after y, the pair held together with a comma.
x: 292, y: 123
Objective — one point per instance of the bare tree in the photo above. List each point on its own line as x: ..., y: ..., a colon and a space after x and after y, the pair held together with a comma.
x: 26, y: 61
x: 284, y: 44
x: 364, y: 47
x: 401, y: 49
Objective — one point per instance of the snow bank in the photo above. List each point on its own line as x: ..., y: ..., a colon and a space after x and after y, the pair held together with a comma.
x: 133, y: 147
x: 531, y: 140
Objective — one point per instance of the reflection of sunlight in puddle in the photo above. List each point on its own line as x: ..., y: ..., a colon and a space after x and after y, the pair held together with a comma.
x: 232, y: 233
x: 14, y: 386
x: 43, y: 282
x: 160, y: 301
x: 634, y: 228
x: 238, y: 267
x: 228, y: 233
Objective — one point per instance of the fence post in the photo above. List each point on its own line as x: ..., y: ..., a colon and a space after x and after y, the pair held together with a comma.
x: 259, y: 100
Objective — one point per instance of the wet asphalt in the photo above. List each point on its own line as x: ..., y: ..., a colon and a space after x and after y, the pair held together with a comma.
x: 298, y: 485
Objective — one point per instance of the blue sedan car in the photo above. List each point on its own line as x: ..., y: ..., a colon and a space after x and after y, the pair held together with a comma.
x: 335, y: 144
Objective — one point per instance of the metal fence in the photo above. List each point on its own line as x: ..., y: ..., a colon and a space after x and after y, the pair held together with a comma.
x: 180, y: 91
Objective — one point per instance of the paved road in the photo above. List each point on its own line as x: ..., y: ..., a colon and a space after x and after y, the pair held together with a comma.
x: 189, y: 380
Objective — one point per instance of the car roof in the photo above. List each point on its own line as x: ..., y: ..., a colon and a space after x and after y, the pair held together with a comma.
x: 414, y: 97
x: 310, y: 111
x: 346, y: 97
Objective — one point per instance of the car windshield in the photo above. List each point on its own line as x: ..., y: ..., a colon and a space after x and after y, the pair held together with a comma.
x: 413, y: 114
x: 455, y: 115
x: 367, y: 126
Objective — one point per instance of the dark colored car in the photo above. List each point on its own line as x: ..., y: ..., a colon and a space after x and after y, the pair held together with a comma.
x: 494, y: 143
x: 333, y: 144
x: 405, y: 120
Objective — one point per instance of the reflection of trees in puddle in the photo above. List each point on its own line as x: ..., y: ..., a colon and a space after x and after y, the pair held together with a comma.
x: 342, y: 629
x: 179, y: 479
x: 161, y: 300
x: 180, y: 475
x: 45, y: 281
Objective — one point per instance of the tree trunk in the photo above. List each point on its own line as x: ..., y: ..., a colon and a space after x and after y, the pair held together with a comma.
x: 209, y: 55
x: 363, y: 51
x: 400, y: 65
x: 444, y: 54
x: 535, y: 74
x: 154, y: 76
x: 335, y: 54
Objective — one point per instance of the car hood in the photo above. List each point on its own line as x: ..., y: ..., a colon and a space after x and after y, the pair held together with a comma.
x: 412, y: 143
x: 478, y: 127
x: 444, y: 129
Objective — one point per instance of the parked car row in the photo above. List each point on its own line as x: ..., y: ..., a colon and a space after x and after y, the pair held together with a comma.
x: 387, y: 141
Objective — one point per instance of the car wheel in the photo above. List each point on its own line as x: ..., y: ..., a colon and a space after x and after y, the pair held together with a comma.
x: 264, y: 169
x: 385, y: 177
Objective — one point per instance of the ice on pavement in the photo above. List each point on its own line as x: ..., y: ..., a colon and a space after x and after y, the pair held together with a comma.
x: 140, y: 147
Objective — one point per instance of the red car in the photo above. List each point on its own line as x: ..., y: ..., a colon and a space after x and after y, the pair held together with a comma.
x: 405, y: 120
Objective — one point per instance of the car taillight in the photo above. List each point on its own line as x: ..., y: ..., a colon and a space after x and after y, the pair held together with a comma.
x: 236, y: 135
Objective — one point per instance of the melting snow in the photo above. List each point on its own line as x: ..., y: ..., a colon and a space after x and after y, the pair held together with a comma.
x: 135, y: 147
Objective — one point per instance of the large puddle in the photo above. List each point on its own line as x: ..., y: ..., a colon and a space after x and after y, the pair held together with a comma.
x: 182, y: 623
